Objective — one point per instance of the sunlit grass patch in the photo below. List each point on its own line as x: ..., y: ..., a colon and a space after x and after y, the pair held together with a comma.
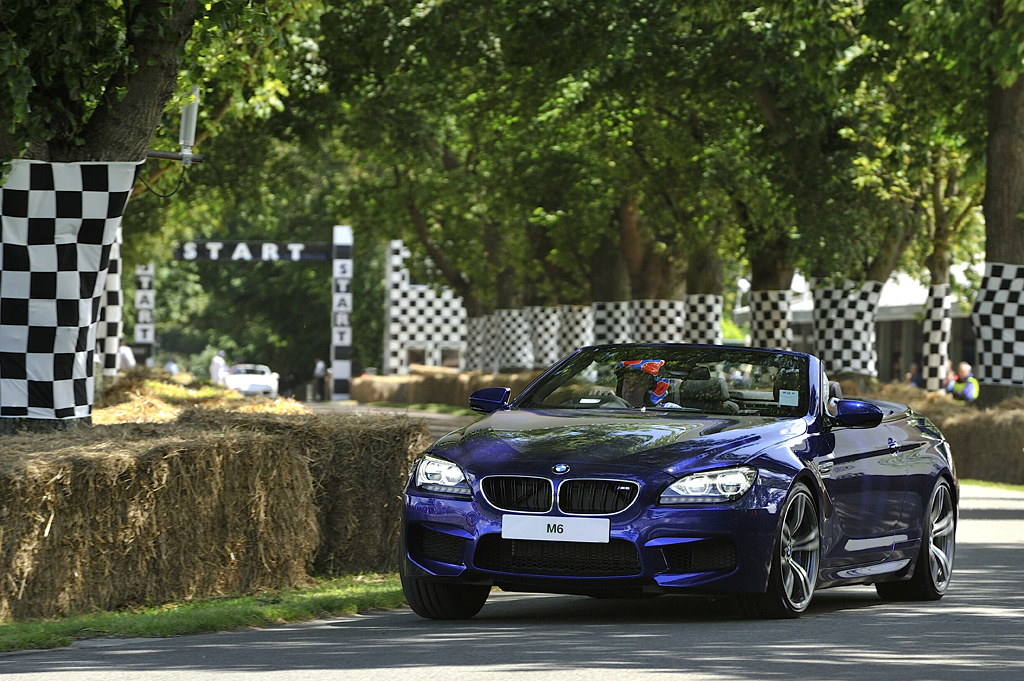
x: 327, y: 597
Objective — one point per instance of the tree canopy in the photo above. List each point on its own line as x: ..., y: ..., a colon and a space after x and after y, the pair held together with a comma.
x: 542, y: 152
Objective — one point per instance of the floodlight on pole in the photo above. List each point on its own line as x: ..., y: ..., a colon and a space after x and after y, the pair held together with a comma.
x: 187, y: 136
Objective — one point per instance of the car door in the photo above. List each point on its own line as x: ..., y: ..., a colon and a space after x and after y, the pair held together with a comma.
x: 865, y: 478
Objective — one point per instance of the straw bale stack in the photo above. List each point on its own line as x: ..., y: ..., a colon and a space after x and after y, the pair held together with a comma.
x: 986, y: 443
x: 212, y: 503
x: 359, y: 482
x: 435, y: 385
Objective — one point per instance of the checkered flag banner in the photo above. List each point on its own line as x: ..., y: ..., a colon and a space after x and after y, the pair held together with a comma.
x: 658, y: 321
x: 704, y: 318
x: 59, y: 224
x: 613, y: 322
x: 417, y: 316
x: 575, y: 327
x: 544, y: 322
x: 513, y: 345
x: 111, y: 319
x: 998, y: 319
x: 937, y: 329
x: 769, y: 320
x: 481, y: 346
x: 844, y: 326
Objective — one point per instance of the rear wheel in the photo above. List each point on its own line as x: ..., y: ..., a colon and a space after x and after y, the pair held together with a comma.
x: 442, y: 601
x: 934, y: 566
x: 794, y: 571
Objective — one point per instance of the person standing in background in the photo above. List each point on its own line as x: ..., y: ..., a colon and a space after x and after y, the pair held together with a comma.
x: 963, y: 385
x: 319, y: 379
x: 218, y: 368
x: 125, y: 357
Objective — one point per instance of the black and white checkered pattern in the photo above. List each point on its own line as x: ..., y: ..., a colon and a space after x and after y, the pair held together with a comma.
x: 514, y: 344
x: 613, y: 322
x: 418, y: 317
x: 769, y: 319
x: 59, y: 223
x: 341, y: 312
x: 575, y: 327
x: 937, y: 329
x: 704, y: 318
x: 544, y: 323
x: 998, y: 319
x: 659, y: 321
x: 844, y: 326
x: 111, y: 320
x: 481, y: 350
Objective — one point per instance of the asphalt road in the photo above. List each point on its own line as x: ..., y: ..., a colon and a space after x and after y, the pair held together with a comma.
x: 975, y: 632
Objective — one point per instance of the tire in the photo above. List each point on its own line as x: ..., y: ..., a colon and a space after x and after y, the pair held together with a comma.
x: 441, y: 601
x: 794, y: 569
x: 934, y: 567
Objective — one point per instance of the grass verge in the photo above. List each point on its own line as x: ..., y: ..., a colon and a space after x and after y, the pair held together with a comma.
x: 328, y: 597
x: 994, y: 485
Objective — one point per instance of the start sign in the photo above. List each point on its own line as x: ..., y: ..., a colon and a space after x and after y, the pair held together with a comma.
x: 252, y: 250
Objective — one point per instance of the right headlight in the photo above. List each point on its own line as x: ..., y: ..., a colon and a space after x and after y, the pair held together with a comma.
x: 727, y: 484
x: 438, y: 475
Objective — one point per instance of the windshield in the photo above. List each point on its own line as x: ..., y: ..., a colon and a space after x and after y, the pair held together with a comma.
x: 710, y: 380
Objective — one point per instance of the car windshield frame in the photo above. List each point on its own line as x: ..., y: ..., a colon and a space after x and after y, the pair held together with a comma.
x: 718, y: 380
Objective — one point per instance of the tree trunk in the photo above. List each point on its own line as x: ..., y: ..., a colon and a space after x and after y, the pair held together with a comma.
x: 455, y: 278
x: 704, y: 273
x: 609, y: 279
x: 128, y: 114
x: 652, y: 275
x: 1004, y: 190
x: 1004, y: 246
x: 896, y: 240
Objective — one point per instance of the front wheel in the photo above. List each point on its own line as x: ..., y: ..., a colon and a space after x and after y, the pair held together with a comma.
x: 794, y: 570
x: 442, y: 601
x: 934, y: 567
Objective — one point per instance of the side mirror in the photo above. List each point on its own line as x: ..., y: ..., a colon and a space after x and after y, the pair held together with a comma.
x: 490, y: 400
x: 857, y: 414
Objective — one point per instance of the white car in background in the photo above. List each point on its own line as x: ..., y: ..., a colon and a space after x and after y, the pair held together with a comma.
x: 252, y: 379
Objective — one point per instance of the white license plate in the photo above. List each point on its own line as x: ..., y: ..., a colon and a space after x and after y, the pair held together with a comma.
x: 547, y: 528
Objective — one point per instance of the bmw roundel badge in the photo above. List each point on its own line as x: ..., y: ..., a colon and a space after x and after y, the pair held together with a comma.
x: 560, y: 468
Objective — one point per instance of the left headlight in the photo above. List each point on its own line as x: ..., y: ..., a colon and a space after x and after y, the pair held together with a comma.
x: 437, y: 475
x: 727, y: 484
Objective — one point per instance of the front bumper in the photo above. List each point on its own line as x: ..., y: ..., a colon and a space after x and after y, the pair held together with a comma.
x: 710, y: 549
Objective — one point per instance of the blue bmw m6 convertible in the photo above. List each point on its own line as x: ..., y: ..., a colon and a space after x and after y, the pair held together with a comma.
x: 639, y: 470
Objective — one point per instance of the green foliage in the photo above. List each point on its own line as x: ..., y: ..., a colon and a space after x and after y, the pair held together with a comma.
x: 503, y: 141
x: 57, y: 59
x: 61, y: 60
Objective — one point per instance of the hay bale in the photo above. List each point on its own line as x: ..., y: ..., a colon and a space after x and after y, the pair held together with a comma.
x: 986, y: 443
x: 435, y: 386
x: 395, y: 389
x: 359, y: 464
x: 360, y: 473
x: 126, y: 515
x: 211, y: 503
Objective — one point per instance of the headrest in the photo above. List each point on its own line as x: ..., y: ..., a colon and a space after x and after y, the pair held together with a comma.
x: 703, y: 390
x: 700, y: 374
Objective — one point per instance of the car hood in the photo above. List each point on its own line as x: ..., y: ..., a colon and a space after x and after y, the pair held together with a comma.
x: 528, y: 441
